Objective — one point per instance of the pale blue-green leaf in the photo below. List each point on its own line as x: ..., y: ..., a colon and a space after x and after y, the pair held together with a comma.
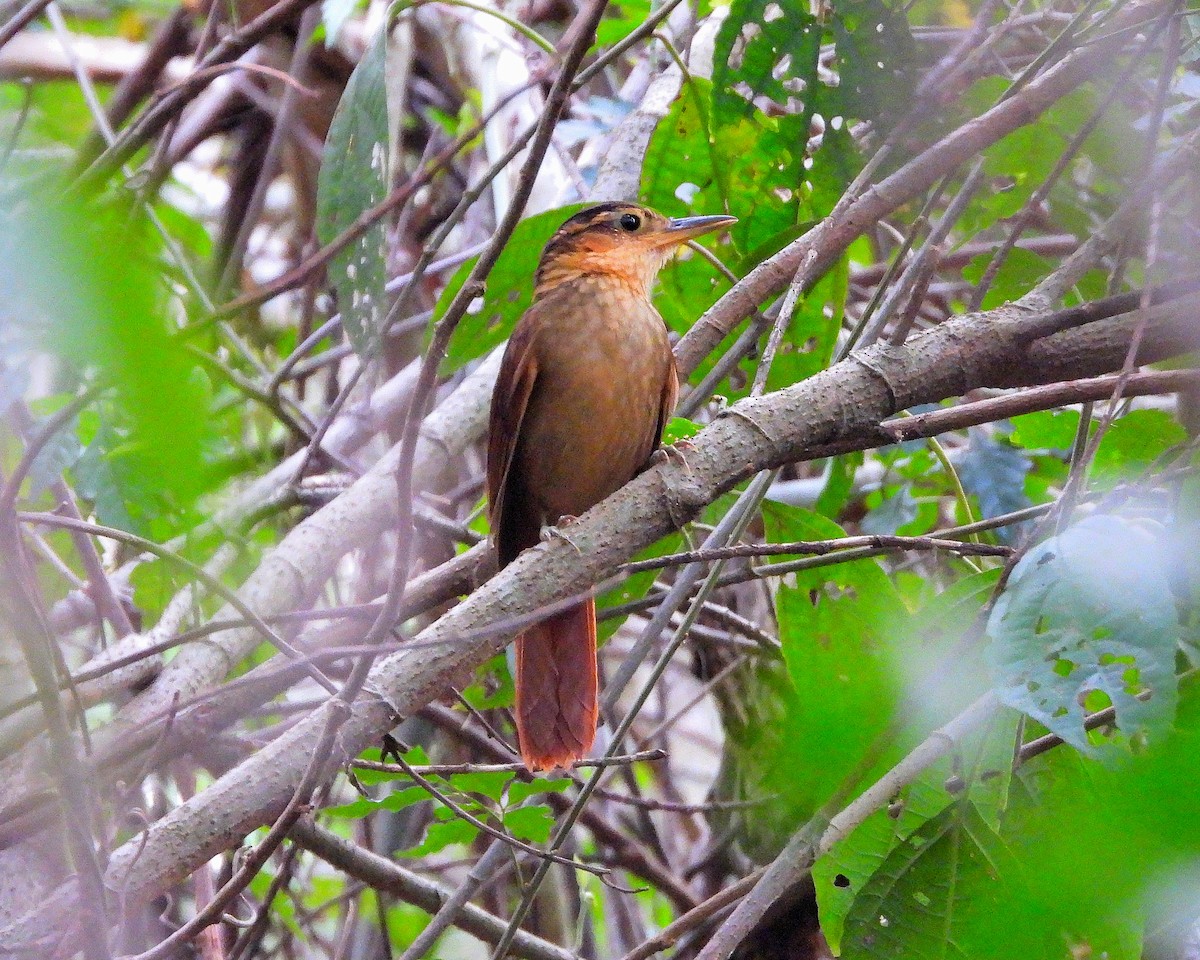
x: 60, y: 452
x: 994, y: 473
x: 14, y: 380
x: 1090, y: 610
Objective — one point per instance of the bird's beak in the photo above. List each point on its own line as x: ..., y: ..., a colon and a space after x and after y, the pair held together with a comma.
x: 685, y: 228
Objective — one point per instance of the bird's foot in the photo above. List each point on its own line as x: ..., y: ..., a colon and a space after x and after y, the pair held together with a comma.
x: 675, y: 452
x: 555, y: 531
x: 658, y: 457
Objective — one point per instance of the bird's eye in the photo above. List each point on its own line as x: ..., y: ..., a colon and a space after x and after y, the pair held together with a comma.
x: 630, y: 221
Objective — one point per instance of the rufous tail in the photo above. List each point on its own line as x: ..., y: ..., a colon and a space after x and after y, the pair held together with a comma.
x: 556, y: 688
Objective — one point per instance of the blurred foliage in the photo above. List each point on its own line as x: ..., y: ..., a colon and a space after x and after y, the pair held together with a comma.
x: 83, y: 281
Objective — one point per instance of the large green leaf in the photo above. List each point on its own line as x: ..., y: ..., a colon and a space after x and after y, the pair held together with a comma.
x: 977, y: 773
x: 1088, y: 620
x: 768, y: 88
x: 925, y: 898
x: 820, y: 719
x: 1107, y: 847
x: 1135, y: 441
x: 1083, y: 855
x: 355, y: 177
x: 705, y: 158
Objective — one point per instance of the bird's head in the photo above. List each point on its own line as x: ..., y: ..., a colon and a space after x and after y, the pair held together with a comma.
x: 624, y: 241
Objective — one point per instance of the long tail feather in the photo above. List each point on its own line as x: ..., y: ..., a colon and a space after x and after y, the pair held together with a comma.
x: 556, y: 688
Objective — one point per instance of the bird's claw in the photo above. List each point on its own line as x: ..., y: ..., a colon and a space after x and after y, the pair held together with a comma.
x: 675, y: 451
x: 555, y: 531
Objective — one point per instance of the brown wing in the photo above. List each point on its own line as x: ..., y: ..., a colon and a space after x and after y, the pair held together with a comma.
x: 510, y: 399
x: 670, y: 394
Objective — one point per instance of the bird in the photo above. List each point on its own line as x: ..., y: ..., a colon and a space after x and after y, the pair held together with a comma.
x: 586, y: 385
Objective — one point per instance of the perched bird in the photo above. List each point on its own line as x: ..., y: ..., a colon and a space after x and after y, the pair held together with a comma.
x: 586, y: 385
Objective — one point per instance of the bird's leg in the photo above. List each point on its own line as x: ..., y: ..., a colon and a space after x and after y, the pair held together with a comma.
x: 675, y: 451
x: 555, y: 531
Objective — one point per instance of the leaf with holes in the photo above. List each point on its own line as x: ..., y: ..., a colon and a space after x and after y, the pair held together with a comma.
x: 876, y: 57
x: 977, y: 773
x: 1089, y: 620
x: 931, y: 892
x: 509, y: 292
x: 766, y: 52
x: 354, y: 178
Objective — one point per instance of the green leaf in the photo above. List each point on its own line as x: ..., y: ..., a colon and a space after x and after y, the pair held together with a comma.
x: 532, y: 824
x: 1020, y: 271
x: 876, y: 60
x: 355, y: 177
x: 1089, y: 616
x: 489, y: 784
x: 926, y: 897
x: 764, y: 49
x: 509, y: 291
x: 634, y: 587
x: 522, y: 790
x: 841, y: 874
x: 980, y: 767
x: 839, y: 484
x: 616, y: 26
x: 1136, y: 440
x: 680, y: 428
x: 837, y: 626
x: 492, y: 675
x: 363, y: 807
x: 441, y: 834
x: 282, y: 906
x: 1107, y: 846
x: 894, y: 512
x: 1046, y: 429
